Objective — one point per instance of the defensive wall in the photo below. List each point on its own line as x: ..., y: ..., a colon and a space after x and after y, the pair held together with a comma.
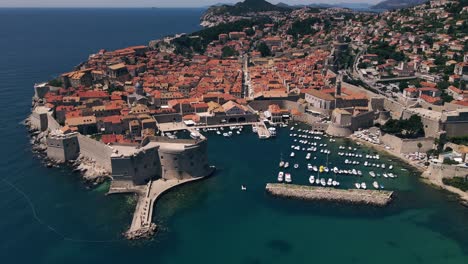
x: 407, y: 145
x: 437, y: 171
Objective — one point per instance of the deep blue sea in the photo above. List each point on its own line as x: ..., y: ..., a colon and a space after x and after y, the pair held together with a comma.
x: 49, y: 216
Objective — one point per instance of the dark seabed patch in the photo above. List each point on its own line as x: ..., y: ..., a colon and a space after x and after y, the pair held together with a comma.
x: 279, y: 245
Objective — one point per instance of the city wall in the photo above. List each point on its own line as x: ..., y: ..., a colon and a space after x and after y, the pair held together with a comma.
x: 441, y: 171
x: 407, y: 145
x: 396, y: 109
x: 95, y: 150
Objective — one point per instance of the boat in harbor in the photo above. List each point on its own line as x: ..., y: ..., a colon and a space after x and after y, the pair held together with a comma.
x: 280, y: 176
x: 357, y: 185
x: 243, y: 188
x: 292, y: 154
x: 323, y: 182
x: 296, y: 166
x: 281, y: 164
x: 286, y: 164
x: 372, y: 174
x: 376, y: 185
x: 309, y: 167
x: 390, y: 167
x: 272, y: 131
x: 288, y: 178
x: 330, y: 182
x: 308, y: 156
x: 363, y: 186
x: 312, y: 179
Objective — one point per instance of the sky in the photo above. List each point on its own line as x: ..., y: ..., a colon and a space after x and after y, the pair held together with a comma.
x: 151, y: 3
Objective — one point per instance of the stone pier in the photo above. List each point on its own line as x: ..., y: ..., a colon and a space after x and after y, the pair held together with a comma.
x: 142, y: 225
x: 354, y: 196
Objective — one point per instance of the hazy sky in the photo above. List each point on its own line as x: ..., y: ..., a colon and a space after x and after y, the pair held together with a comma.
x: 149, y: 3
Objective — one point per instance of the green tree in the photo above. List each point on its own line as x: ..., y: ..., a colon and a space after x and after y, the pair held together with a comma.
x: 228, y: 51
x: 264, y: 49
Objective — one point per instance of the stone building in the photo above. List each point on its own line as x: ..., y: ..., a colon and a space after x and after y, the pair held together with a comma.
x: 62, y: 147
x: 160, y: 157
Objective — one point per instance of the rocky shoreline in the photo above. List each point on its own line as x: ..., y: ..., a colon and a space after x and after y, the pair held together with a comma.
x: 90, y: 172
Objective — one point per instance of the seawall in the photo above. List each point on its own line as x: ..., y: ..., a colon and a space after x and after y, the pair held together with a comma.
x: 312, y: 193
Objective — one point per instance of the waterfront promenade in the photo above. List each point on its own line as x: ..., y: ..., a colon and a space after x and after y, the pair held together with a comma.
x: 354, y: 196
x: 142, y: 225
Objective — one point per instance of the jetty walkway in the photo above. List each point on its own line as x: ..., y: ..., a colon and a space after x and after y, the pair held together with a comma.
x: 142, y: 226
x: 354, y: 196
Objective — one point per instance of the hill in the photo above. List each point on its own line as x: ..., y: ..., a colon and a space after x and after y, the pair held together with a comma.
x: 397, y: 4
x: 245, y: 7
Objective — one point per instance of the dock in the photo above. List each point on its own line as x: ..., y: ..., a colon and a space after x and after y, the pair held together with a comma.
x: 142, y: 225
x: 378, y: 198
x: 262, y: 130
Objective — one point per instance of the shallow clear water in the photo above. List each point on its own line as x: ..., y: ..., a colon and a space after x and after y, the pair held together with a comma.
x: 49, y: 216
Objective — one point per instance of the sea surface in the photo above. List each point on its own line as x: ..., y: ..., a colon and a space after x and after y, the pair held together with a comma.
x: 50, y: 216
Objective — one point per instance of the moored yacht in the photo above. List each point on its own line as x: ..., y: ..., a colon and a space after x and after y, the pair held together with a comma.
x: 280, y: 176
x: 288, y: 177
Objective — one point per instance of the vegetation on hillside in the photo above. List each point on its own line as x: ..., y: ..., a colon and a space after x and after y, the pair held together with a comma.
x: 405, y: 128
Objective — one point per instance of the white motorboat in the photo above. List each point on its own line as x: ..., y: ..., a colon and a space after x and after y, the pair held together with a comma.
x: 281, y: 164
x: 296, y: 166
x: 288, y: 177
x: 243, y: 188
x: 292, y: 154
x: 330, y: 182
x: 280, y: 176
x: 292, y: 128
x: 314, y: 168
x: 218, y: 133
x: 286, y: 164
x: 376, y: 185
x: 372, y: 174
x: 385, y: 175
x: 308, y: 156
x: 323, y: 182
x: 358, y: 185
x: 363, y: 185
x: 309, y: 167
x: 312, y: 179
x: 390, y: 167
x: 317, y: 181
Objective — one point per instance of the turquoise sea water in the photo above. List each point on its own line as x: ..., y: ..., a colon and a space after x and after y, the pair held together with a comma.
x: 50, y: 216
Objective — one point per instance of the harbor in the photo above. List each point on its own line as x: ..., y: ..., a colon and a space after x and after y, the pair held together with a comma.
x: 353, y: 196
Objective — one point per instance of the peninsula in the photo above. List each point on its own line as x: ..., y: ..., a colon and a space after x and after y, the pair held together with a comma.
x: 396, y: 80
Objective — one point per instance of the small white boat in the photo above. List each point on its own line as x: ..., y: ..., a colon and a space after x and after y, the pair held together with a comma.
x: 372, y: 174
x: 363, y: 185
x: 280, y: 176
x: 317, y: 181
x: 218, y: 133
x: 358, y: 185
x: 376, y: 185
x: 330, y: 182
x: 243, y: 188
x: 390, y: 167
x: 385, y: 175
x: 281, y: 164
x: 311, y: 179
x: 296, y: 166
x: 314, y: 168
x: 309, y: 167
x: 288, y: 177
x: 308, y: 156
x: 323, y: 182
x: 292, y: 154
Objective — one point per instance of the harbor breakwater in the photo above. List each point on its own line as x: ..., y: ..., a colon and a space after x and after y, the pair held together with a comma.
x: 378, y: 198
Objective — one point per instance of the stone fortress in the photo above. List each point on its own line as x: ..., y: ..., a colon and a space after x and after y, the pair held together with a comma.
x: 154, y: 158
